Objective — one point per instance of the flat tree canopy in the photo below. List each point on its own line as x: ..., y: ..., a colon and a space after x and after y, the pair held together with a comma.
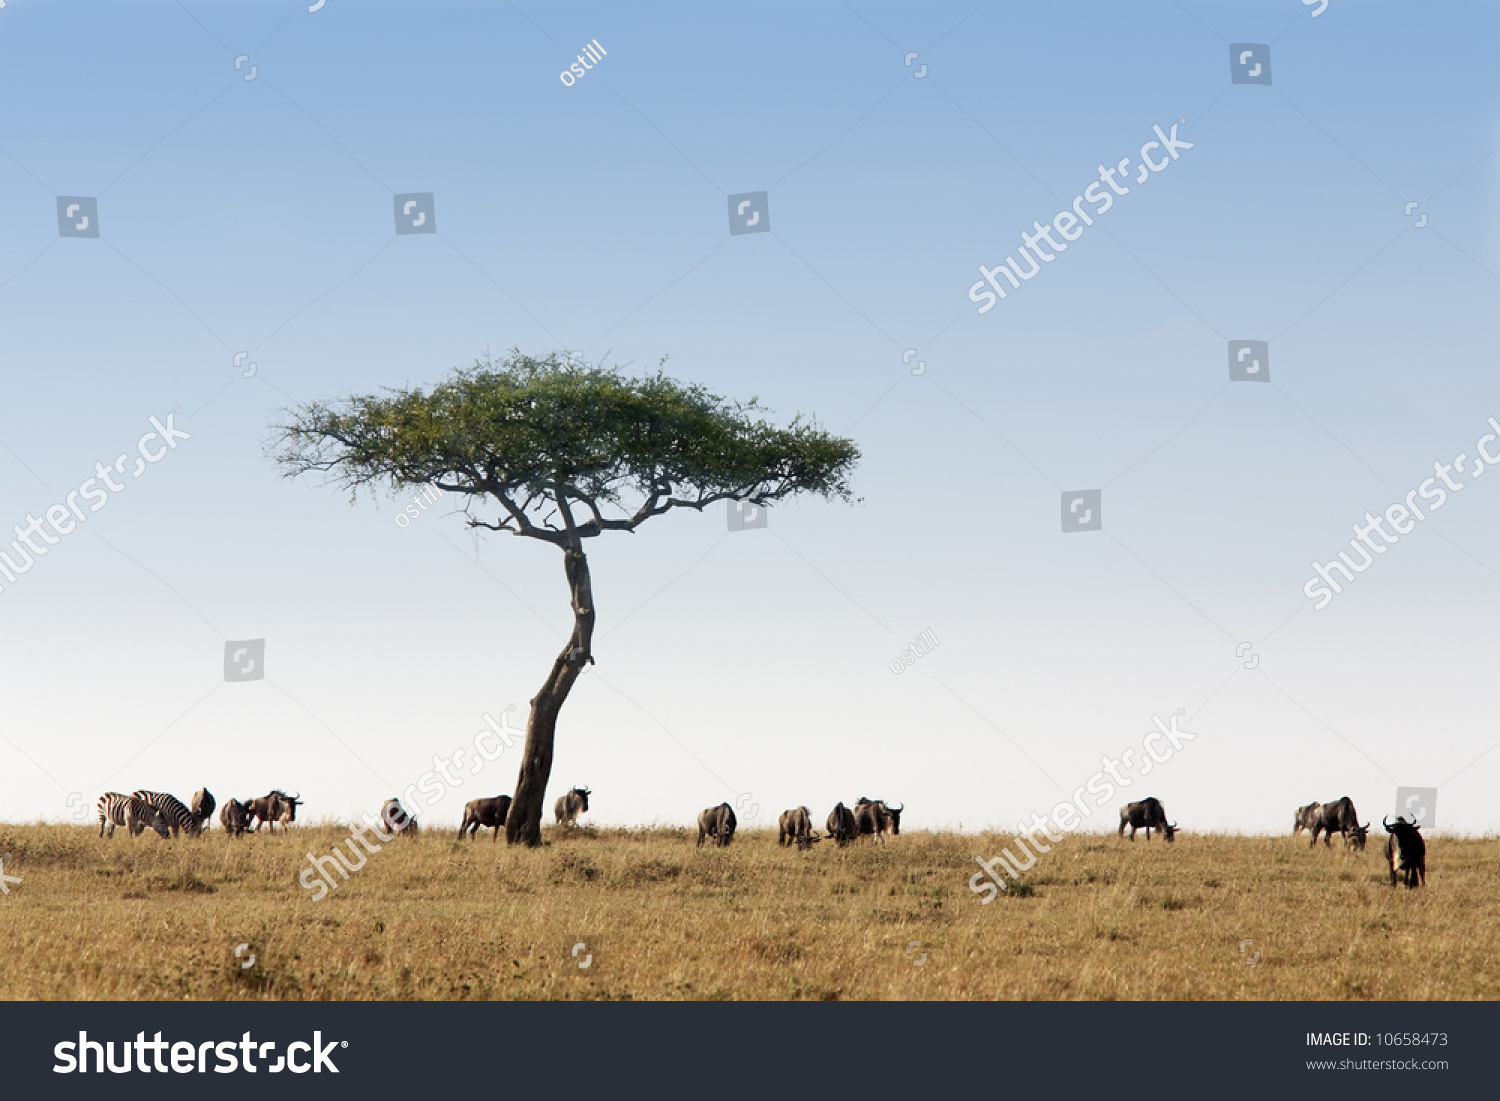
x: 548, y: 450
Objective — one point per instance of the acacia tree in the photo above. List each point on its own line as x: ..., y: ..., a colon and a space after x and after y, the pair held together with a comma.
x: 547, y: 450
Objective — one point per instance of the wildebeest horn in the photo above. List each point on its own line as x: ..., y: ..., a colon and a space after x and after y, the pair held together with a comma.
x: 901, y: 807
x: 1175, y: 827
x: 1386, y: 823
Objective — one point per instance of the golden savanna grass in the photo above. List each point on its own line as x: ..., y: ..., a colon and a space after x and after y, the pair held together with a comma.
x: 432, y: 918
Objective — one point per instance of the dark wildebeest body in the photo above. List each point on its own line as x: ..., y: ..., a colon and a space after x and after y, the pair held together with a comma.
x: 1306, y: 818
x: 795, y: 827
x: 718, y: 823
x: 841, y: 825
x: 276, y: 807
x: 234, y: 818
x: 1406, y: 852
x: 485, y: 812
x: 1332, y: 818
x: 393, y: 815
x: 1146, y: 815
x: 202, y: 807
x: 872, y: 819
x: 568, y: 807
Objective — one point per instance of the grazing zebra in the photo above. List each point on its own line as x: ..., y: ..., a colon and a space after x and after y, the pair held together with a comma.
x: 177, y: 815
x: 202, y: 806
x: 130, y: 812
x: 234, y: 818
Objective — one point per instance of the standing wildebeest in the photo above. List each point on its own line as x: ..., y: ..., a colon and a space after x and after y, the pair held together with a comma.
x: 132, y: 813
x: 1146, y: 815
x: 1406, y: 852
x: 395, y: 818
x: 841, y: 825
x: 719, y: 823
x: 795, y: 826
x: 177, y: 816
x: 234, y: 818
x: 202, y: 806
x: 1332, y: 818
x: 568, y: 807
x: 485, y: 812
x: 872, y: 819
x: 276, y: 807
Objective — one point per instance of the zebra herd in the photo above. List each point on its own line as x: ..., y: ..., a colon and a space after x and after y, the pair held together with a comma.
x: 170, y: 817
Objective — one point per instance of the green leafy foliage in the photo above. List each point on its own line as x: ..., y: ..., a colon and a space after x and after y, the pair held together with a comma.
x: 532, y: 433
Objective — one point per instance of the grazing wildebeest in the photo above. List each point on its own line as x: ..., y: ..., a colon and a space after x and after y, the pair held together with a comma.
x: 1146, y: 815
x: 234, y: 818
x: 568, y: 807
x: 276, y: 807
x: 1306, y: 818
x: 171, y: 808
x: 841, y: 825
x: 132, y: 813
x: 485, y: 812
x: 719, y: 823
x: 1340, y: 817
x: 202, y: 806
x: 1406, y: 852
x: 395, y: 818
x: 795, y: 827
x: 872, y: 819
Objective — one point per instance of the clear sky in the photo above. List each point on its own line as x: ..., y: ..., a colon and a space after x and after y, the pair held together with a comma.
x: 258, y: 216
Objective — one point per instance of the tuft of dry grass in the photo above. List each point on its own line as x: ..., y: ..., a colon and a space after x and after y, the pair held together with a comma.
x: 643, y: 914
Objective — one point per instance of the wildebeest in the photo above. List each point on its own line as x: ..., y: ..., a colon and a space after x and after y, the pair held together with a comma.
x: 202, y: 806
x: 841, y: 825
x: 568, y: 807
x: 132, y: 813
x: 395, y: 819
x: 1306, y: 818
x: 276, y: 807
x: 485, y: 812
x: 1146, y: 815
x: 795, y: 827
x: 177, y: 816
x: 234, y: 818
x: 873, y: 818
x: 1332, y: 818
x: 1406, y: 852
x: 719, y: 823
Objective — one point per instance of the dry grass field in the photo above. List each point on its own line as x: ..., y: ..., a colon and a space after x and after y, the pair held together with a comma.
x: 431, y: 918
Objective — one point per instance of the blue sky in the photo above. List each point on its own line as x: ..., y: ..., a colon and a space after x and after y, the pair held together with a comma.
x: 257, y: 216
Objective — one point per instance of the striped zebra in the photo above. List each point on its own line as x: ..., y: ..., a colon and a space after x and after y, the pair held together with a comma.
x: 130, y: 812
x: 178, y: 816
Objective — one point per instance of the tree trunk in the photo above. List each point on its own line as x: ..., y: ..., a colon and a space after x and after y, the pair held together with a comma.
x: 524, y: 822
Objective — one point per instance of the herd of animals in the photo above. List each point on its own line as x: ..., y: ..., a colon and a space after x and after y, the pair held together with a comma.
x: 169, y: 816
x: 1405, y: 848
